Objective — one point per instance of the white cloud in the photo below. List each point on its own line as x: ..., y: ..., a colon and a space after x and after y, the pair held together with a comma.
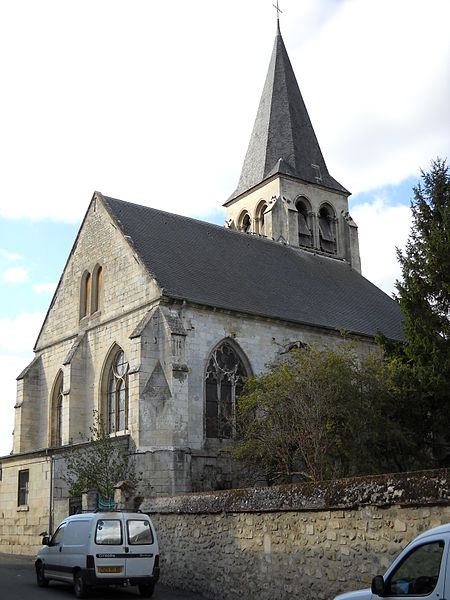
x: 382, y: 227
x: 375, y: 81
x: 18, y: 335
x: 15, y: 275
x: 9, y: 255
x: 44, y: 288
x: 159, y: 109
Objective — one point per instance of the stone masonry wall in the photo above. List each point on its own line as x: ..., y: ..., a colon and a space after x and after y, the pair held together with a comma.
x: 306, y: 542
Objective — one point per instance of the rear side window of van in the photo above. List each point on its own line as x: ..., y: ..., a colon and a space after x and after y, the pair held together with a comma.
x: 108, y: 532
x: 77, y: 533
x: 139, y: 532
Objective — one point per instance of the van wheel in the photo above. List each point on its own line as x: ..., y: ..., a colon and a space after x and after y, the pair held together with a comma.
x: 40, y: 577
x: 79, y: 585
x: 146, y: 590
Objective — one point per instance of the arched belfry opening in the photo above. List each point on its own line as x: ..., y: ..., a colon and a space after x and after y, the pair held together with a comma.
x: 245, y: 222
x: 260, y: 219
x: 304, y: 221
x: 327, y: 229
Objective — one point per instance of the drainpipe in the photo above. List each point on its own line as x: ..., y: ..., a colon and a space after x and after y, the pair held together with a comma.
x: 50, y: 511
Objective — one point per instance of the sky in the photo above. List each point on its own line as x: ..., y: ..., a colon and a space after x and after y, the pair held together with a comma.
x: 154, y: 102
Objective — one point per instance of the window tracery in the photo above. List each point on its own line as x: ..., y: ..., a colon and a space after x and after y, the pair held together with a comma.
x: 225, y: 375
x: 117, y: 393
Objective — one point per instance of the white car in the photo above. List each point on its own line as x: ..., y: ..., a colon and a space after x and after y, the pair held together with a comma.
x: 420, y: 571
x: 100, y: 549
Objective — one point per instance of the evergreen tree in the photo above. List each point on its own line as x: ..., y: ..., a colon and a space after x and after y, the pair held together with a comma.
x: 424, y: 297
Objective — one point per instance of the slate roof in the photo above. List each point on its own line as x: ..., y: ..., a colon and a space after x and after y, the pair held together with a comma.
x: 218, y: 267
x: 283, y: 139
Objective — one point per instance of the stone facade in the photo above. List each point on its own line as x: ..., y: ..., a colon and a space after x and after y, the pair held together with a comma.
x: 308, y: 542
x: 273, y: 211
x: 44, y: 503
x: 167, y: 345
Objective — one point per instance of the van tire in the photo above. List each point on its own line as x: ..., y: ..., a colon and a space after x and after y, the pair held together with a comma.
x: 79, y: 585
x: 40, y: 576
x: 146, y: 590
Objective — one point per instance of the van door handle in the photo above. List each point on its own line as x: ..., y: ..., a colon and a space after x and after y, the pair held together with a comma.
x: 126, y: 549
x: 60, y: 548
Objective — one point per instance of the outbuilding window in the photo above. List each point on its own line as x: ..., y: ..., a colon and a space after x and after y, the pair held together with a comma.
x: 22, y: 492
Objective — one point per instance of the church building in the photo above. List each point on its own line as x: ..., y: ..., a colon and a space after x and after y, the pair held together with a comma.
x: 158, y: 319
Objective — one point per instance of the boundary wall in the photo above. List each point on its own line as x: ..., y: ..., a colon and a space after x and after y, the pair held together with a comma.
x: 303, y: 541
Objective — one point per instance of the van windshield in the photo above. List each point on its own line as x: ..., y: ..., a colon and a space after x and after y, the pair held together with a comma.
x: 108, y: 532
x: 139, y: 532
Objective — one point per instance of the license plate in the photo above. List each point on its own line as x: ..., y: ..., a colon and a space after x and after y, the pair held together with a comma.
x: 110, y: 569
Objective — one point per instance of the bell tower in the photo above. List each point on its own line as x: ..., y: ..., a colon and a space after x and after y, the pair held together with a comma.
x: 285, y: 191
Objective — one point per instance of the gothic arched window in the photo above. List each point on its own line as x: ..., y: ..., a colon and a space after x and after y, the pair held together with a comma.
x: 225, y: 375
x: 57, y: 412
x: 245, y: 222
x: 260, y: 218
x: 327, y: 229
x: 304, y: 223
x: 97, y: 279
x: 117, y: 393
x: 85, y: 294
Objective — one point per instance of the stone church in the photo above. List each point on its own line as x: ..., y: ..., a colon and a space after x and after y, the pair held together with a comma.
x: 158, y: 319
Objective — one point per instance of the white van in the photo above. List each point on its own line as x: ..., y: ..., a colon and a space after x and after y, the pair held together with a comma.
x: 101, y: 549
x: 420, y: 571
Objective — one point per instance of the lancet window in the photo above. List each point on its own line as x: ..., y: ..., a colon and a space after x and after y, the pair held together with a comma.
x: 97, y: 280
x: 57, y: 416
x: 90, y: 291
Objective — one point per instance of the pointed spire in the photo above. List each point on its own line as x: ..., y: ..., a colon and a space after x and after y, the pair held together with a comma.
x: 283, y: 139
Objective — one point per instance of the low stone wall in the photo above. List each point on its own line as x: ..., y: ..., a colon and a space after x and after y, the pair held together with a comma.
x: 300, y: 541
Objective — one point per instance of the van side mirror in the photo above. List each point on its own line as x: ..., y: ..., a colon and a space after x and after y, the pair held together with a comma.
x: 45, y: 540
x: 378, y: 586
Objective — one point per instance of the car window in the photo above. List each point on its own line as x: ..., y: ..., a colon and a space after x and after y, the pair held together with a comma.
x: 108, y: 532
x: 77, y: 532
x: 58, y: 535
x: 139, y: 532
x: 418, y: 573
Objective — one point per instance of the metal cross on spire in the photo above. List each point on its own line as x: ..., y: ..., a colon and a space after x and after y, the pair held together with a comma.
x: 278, y: 9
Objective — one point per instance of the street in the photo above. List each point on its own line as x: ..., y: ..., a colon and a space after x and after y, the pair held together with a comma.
x: 18, y: 582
